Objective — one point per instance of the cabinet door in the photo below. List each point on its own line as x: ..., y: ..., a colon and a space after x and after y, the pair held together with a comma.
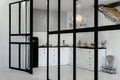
x: 89, y: 59
x: 53, y: 56
x: 64, y: 56
x: 80, y: 61
x: 71, y: 57
x: 42, y: 57
x: 78, y: 57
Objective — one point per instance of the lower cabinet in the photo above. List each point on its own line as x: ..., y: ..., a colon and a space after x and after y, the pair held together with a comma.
x: 64, y: 56
x: 42, y: 57
x: 84, y: 57
x: 53, y: 56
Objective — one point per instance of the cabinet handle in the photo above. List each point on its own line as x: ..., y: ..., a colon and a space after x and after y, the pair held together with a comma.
x: 53, y: 55
x: 90, y: 58
x: 89, y: 64
x: 89, y: 51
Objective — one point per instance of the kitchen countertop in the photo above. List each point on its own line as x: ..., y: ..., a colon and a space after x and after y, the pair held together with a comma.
x: 71, y: 47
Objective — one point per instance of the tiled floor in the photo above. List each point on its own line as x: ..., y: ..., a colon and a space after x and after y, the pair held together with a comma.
x: 66, y: 74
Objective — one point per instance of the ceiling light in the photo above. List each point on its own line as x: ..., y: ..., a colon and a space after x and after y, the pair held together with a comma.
x: 78, y: 18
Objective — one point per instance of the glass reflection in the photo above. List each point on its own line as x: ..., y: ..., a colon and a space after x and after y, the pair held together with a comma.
x: 109, y: 12
x: 84, y: 14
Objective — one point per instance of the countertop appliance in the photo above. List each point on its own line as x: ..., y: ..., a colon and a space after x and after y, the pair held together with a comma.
x: 35, y: 51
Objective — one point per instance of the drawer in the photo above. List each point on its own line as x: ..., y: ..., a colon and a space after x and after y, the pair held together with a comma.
x: 91, y: 67
x: 90, y: 59
x: 53, y: 62
x: 43, y: 50
x: 53, y: 50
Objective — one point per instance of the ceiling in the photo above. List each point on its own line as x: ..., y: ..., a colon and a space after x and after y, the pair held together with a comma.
x: 67, y: 5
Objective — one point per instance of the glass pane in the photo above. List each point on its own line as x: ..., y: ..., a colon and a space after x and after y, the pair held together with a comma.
x: 53, y: 15
x: 84, y: 13
x: 66, y: 14
x: 23, y: 56
x: 27, y: 56
x: 20, y: 39
x: 42, y: 36
x: 28, y: 17
x: 15, y: 19
x: 23, y: 18
x: 109, y: 12
x: 66, y: 56
x: 53, y: 40
x: 14, y: 55
x: 85, y: 56
x: 53, y: 57
x: 108, y: 57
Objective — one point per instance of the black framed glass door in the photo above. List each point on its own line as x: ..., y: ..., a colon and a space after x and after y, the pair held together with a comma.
x: 71, y: 26
x: 20, y: 36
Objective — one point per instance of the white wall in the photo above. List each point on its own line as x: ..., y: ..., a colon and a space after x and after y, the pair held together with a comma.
x: 42, y: 37
x: 4, y: 32
x: 40, y: 20
x: 113, y: 46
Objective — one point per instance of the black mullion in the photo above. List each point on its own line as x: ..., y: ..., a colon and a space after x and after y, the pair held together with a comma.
x: 19, y: 18
x: 59, y: 21
x: 26, y: 36
x: 92, y: 29
x: 48, y: 40
x: 107, y: 28
x: 31, y: 36
x: 71, y: 31
x: 19, y: 56
x: 96, y: 40
x: 9, y: 35
x: 74, y: 40
x: 19, y: 42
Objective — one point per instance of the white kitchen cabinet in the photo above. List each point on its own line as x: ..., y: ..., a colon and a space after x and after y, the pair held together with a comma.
x: 85, y: 58
x: 53, y: 56
x: 71, y: 56
x: 42, y: 57
x: 64, y: 56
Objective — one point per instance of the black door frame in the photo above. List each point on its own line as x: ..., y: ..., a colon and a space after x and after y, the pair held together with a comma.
x: 19, y: 34
x: 94, y: 29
